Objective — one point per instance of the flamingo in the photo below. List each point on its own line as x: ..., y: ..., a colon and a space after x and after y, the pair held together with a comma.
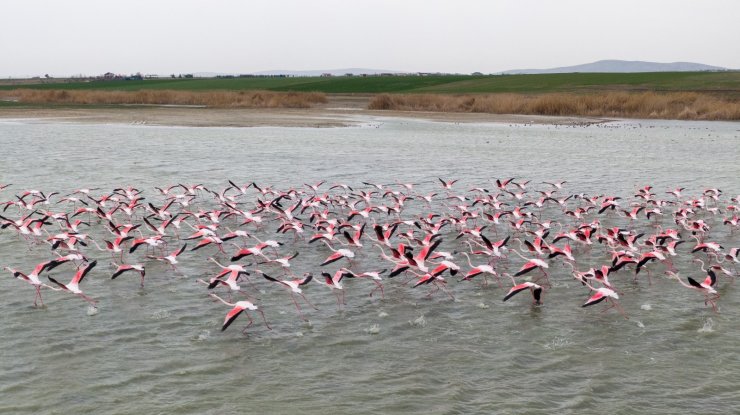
x: 33, y: 278
x: 535, y: 289
x: 334, y: 282
x: 74, y: 285
x: 531, y: 264
x: 337, y: 255
x: 120, y: 269
x: 706, y: 287
x: 283, y: 261
x: 447, y: 185
x: 435, y: 280
x: 604, y: 294
x: 476, y: 270
x: 374, y: 276
x: 235, y: 271
x: 255, y: 250
x: 238, y: 308
x: 295, y: 288
x: 355, y: 240
x: 172, y: 257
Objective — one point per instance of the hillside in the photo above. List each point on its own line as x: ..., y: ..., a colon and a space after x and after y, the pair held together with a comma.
x: 621, y: 66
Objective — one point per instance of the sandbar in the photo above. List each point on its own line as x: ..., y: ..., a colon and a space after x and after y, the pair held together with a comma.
x: 339, y: 111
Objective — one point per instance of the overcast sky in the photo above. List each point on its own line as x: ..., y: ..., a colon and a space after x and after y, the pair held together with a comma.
x: 90, y: 37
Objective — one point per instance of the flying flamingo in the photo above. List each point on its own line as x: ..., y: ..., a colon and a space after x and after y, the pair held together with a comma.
x: 337, y: 255
x: 374, y: 276
x: 705, y: 287
x: 239, y: 307
x: 33, y: 278
x: 74, y: 285
x: 295, y: 287
x: 535, y: 289
x: 334, y: 282
x: 435, y: 280
x: 120, y: 269
x: 235, y: 271
x: 284, y: 262
x: 171, y: 258
x: 604, y: 294
x: 476, y: 270
x: 531, y: 264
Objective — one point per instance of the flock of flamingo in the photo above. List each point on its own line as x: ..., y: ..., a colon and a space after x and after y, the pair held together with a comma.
x: 511, y: 233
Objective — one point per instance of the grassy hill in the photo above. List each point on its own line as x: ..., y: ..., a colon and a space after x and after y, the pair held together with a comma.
x: 725, y: 83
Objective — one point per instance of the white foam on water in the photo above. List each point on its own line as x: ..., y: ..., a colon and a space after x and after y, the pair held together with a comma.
x: 557, y: 343
x: 646, y: 307
x: 92, y: 310
x: 484, y: 306
x: 160, y: 315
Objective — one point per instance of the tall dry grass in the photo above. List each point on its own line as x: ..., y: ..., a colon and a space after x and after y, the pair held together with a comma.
x: 679, y: 105
x: 216, y: 99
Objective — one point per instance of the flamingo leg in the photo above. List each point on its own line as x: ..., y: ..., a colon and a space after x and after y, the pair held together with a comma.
x: 297, y: 307
x: 264, y: 319
x: 379, y: 286
x: 447, y: 292
x: 88, y: 299
x: 308, y: 302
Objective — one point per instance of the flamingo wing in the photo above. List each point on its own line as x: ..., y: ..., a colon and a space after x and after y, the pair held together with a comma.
x: 529, y: 266
x: 231, y: 316
x: 595, y: 299
x: 516, y: 289
x: 332, y: 258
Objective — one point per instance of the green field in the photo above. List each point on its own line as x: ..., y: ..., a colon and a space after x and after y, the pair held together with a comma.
x: 725, y: 83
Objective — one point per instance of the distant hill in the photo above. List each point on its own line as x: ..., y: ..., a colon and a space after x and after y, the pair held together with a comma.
x: 619, y: 66
x: 333, y: 72
x: 314, y: 72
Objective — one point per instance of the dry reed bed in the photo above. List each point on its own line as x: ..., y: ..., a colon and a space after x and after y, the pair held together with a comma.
x: 217, y: 99
x: 679, y: 105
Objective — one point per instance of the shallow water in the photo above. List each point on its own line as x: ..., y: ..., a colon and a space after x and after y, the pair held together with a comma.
x: 160, y: 349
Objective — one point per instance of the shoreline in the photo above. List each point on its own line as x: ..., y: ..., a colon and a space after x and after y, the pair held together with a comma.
x: 331, y: 116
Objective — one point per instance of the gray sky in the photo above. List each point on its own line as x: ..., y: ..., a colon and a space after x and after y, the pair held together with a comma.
x: 90, y: 37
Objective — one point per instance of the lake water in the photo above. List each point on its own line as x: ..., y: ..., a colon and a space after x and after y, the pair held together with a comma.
x: 160, y: 349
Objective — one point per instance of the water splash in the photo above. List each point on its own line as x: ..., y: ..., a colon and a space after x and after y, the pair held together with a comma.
x: 92, y: 310
x: 557, y: 343
x: 484, y: 306
x: 646, y: 307
x: 419, y: 322
x: 374, y: 329
x: 708, y: 326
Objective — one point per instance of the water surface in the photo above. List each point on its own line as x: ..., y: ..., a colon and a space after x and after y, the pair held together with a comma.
x: 160, y: 349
